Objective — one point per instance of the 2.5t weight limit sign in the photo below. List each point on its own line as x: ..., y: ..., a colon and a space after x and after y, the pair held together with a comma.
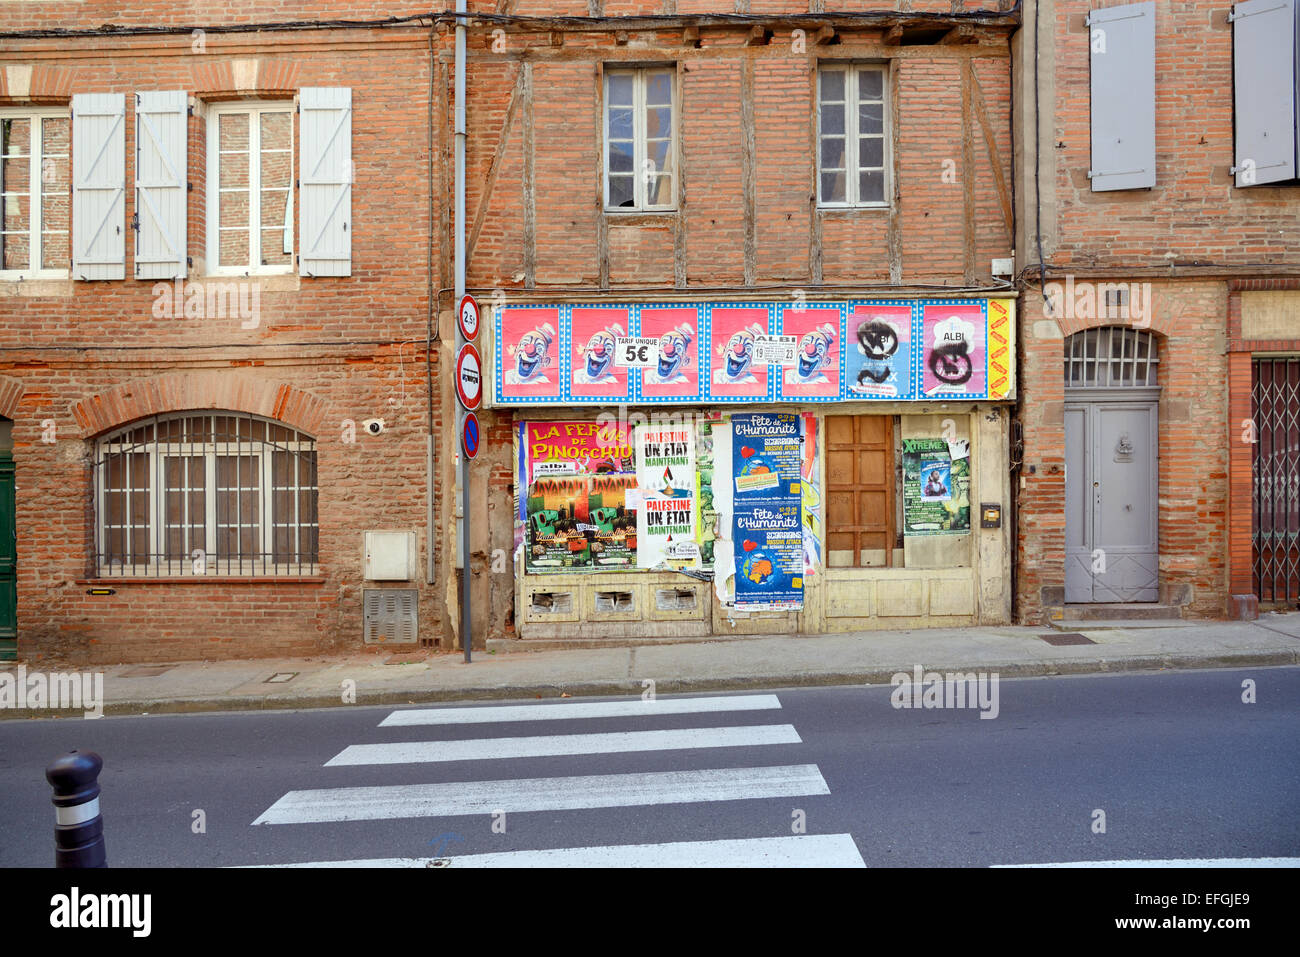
x: 469, y: 377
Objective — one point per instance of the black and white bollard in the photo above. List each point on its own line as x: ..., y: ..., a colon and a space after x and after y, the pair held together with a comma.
x: 78, y: 826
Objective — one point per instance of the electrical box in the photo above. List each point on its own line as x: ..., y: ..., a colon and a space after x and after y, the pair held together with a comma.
x: 390, y: 556
x: 990, y: 515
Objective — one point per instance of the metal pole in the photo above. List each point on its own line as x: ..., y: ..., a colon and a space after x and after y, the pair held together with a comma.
x: 462, y: 468
x: 78, y: 825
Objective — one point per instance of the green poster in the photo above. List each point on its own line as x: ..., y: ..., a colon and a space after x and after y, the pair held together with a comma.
x: 936, y: 488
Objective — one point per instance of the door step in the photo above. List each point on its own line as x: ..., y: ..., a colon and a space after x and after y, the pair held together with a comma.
x: 1114, y: 611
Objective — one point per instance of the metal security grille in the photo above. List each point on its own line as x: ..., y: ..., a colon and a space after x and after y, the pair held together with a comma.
x: 1110, y: 357
x: 212, y: 494
x: 1275, y: 468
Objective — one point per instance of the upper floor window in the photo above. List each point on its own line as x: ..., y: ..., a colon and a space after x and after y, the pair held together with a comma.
x: 640, y: 139
x: 250, y: 188
x: 851, y: 136
x: 34, y: 191
x: 206, y: 494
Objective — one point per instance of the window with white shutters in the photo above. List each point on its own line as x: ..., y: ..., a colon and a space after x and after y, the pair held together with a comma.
x: 250, y: 189
x: 161, y: 127
x: 1265, y: 40
x: 1122, y: 67
x: 851, y: 140
x: 99, y: 186
x: 35, y: 198
x: 325, y: 181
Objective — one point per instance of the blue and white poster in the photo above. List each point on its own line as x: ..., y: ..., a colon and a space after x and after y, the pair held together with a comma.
x: 767, y: 510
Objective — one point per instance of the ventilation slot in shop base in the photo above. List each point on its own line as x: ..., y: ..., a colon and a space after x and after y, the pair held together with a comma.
x: 676, y: 599
x: 614, y: 601
x: 551, y: 603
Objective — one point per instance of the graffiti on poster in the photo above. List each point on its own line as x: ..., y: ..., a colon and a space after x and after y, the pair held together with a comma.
x: 666, y: 518
x: 593, y: 371
x: 675, y: 374
x: 578, y: 512
x: 733, y: 338
x: 528, y: 351
x: 955, y: 344
x: 815, y: 371
x: 767, y: 510
x: 878, y: 361
x: 936, y: 486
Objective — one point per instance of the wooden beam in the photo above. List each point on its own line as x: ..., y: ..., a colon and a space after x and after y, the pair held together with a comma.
x: 516, y: 95
x: 995, y: 157
x: 690, y: 36
x: 893, y: 36
x: 825, y: 35
x: 758, y: 36
x: 962, y: 33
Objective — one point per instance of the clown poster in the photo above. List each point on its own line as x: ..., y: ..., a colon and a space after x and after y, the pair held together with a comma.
x: 676, y: 373
x: 767, y: 510
x: 528, y: 353
x: 954, y: 344
x: 815, y: 373
x: 592, y: 371
x: 666, y: 518
x: 879, y: 353
x: 734, y: 373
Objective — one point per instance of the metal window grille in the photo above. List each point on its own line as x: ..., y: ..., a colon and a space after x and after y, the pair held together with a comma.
x: 212, y: 494
x: 1275, y: 468
x: 1111, y: 357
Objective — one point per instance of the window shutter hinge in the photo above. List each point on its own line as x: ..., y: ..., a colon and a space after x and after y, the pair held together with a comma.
x: 189, y: 187
x: 189, y: 109
x: 135, y: 221
x: 189, y: 261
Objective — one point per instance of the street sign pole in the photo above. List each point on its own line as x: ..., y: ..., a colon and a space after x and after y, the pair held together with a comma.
x: 469, y: 395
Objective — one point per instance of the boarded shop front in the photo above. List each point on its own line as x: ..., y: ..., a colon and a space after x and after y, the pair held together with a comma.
x: 733, y: 468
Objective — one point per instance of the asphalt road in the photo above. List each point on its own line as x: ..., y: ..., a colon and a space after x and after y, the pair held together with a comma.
x: 1180, y: 766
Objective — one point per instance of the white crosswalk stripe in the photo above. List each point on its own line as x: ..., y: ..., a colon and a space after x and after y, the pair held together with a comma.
x: 453, y: 799
x: 580, y: 709
x: 481, y: 749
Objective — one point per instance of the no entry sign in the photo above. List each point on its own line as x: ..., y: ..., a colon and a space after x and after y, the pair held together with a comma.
x: 469, y: 435
x: 469, y: 377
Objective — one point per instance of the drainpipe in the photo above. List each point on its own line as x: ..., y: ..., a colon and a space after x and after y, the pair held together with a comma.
x: 462, y: 467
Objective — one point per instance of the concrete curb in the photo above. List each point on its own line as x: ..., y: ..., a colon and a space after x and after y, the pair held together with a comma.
x: 876, y: 675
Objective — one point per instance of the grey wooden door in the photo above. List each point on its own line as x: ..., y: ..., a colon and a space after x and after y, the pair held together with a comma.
x: 1111, y: 456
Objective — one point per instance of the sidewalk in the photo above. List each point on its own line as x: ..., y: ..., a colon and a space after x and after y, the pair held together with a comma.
x: 727, y: 664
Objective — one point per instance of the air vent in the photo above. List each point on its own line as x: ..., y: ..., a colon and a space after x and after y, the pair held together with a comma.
x: 391, y: 615
x: 675, y: 599
x: 551, y: 603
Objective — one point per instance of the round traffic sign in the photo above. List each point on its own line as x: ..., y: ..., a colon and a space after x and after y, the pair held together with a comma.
x: 469, y: 377
x: 467, y: 316
x: 469, y: 434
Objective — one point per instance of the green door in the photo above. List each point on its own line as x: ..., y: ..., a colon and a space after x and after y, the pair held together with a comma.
x: 8, y: 560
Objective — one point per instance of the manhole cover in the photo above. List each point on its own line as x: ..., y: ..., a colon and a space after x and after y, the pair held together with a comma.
x: 281, y: 676
x: 1067, y: 638
x: 146, y: 671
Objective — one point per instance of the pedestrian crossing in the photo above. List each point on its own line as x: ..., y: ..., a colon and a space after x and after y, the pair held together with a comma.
x: 689, y: 785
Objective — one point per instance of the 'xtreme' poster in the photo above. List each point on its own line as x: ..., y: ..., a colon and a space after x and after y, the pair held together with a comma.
x: 936, y: 486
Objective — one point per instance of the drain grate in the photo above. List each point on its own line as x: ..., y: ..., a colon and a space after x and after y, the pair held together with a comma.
x: 281, y: 676
x: 1067, y: 638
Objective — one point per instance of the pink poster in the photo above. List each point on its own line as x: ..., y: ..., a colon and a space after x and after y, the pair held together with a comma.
x: 733, y: 331
x: 592, y: 371
x: 878, y: 358
x: 815, y: 373
x: 528, y: 353
x: 954, y: 346
x: 676, y: 374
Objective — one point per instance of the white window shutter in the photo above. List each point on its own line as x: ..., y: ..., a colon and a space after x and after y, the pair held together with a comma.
x: 1122, y: 82
x: 325, y: 181
x: 161, y: 137
x: 1264, y: 85
x: 99, y: 186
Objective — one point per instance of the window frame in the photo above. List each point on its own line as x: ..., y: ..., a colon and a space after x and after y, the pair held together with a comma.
x: 853, y: 169
x: 639, y: 76
x: 35, y: 224
x: 157, y: 451
x: 212, y: 186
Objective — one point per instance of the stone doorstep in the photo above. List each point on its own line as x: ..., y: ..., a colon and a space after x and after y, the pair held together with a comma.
x: 1133, y: 611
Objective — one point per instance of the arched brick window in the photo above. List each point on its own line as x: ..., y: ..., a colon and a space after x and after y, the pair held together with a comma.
x: 211, y: 493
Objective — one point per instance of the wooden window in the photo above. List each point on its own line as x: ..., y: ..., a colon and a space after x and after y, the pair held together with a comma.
x: 859, y: 490
x: 250, y: 202
x: 852, y: 152
x: 640, y: 141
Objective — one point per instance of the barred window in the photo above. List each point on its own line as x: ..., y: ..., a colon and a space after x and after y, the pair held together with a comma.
x: 212, y: 494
